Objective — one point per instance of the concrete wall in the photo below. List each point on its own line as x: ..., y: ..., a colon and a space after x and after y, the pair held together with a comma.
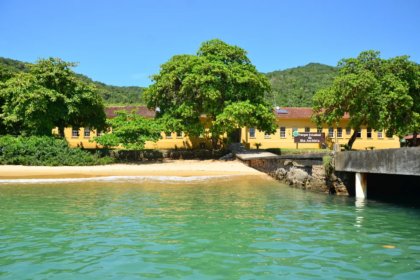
x: 403, y: 161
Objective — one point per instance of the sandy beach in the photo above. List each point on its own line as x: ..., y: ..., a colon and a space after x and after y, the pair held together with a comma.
x: 184, y: 168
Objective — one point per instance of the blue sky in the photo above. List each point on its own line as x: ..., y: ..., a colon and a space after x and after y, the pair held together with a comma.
x: 123, y: 42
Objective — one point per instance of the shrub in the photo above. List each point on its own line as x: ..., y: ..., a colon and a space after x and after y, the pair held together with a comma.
x: 44, y: 150
x: 345, y: 147
x: 326, y: 160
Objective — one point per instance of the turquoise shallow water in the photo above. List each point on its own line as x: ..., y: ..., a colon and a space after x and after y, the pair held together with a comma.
x: 240, y: 227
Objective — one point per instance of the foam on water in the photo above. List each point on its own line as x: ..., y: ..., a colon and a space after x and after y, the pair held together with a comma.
x: 125, y: 179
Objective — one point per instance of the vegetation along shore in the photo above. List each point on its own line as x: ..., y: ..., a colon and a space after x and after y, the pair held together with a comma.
x: 52, y: 116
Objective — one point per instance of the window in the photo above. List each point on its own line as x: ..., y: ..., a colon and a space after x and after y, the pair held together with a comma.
x: 307, y: 129
x: 168, y: 134
x: 99, y: 133
x: 282, y: 132
x: 87, y: 132
x: 380, y: 134
x: 331, y: 132
x: 339, y: 132
x: 267, y: 135
x: 293, y: 130
x: 75, y: 132
x: 319, y: 130
x: 179, y: 134
x: 369, y: 132
x: 348, y: 131
x: 359, y: 133
x: 252, y: 132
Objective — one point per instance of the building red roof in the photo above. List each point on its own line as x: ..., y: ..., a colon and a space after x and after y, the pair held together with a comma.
x: 409, y: 137
x: 141, y: 111
x: 297, y: 113
x: 292, y: 112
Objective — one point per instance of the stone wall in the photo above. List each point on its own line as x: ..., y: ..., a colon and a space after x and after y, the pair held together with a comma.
x: 301, y: 173
x: 146, y: 155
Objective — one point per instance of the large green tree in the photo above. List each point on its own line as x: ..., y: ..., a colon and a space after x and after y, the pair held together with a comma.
x: 374, y: 92
x: 48, y: 96
x: 220, y: 83
x: 400, y: 106
x: 130, y: 130
x: 5, y: 74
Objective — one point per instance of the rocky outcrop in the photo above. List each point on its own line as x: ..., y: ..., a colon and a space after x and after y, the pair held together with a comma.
x: 318, y: 181
x: 305, y: 174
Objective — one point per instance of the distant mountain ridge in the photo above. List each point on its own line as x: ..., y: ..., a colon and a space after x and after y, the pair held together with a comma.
x: 292, y: 87
x: 295, y: 87
x: 112, y: 95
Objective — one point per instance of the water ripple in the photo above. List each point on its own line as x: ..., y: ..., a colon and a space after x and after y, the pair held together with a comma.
x: 233, y: 227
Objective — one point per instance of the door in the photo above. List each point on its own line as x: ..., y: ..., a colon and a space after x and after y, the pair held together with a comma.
x: 235, y: 136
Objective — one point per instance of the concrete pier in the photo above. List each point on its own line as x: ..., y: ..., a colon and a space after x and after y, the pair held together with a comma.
x: 403, y: 161
x: 392, y: 173
x: 361, y: 185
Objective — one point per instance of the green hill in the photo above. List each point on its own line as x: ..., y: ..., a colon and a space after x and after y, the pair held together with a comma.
x: 292, y: 87
x: 295, y: 87
x: 113, y: 95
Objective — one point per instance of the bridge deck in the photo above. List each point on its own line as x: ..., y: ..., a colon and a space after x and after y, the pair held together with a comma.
x: 402, y: 161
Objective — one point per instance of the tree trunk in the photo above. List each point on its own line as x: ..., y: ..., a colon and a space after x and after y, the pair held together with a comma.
x: 414, y: 141
x: 214, y: 138
x: 214, y: 142
x: 353, y: 138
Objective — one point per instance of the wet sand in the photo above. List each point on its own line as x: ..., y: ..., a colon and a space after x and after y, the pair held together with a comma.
x: 182, y: 168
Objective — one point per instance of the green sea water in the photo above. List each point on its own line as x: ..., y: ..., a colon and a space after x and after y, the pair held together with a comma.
x: 237, y: 227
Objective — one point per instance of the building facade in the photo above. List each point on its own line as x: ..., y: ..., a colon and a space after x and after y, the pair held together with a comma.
x: 288, y: 120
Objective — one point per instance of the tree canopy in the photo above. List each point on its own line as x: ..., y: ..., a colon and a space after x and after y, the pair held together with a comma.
x: 375, y: 92
x: 219, y: 83
x: 49, y: 96
x: 130, y: 130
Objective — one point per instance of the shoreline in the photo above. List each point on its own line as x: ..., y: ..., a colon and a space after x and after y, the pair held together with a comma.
x: 179, y: 168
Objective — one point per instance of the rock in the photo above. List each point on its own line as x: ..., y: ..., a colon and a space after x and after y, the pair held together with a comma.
x: 297, y: 176
x: 228, y: 156
x: 297, y: 164
x: 288, y: 162
x: 281, y: 174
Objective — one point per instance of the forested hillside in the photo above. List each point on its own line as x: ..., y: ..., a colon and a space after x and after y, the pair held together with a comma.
x: 295, y: 87
x: 292, y: 87
x: 113, y: 95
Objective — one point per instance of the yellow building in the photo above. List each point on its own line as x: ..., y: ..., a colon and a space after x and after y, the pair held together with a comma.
x: 80, y: 137
x: 299, y: 119
x: 288, y: 120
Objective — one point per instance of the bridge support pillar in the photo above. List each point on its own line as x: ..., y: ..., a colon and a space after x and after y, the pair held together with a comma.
x: 361, y: 185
